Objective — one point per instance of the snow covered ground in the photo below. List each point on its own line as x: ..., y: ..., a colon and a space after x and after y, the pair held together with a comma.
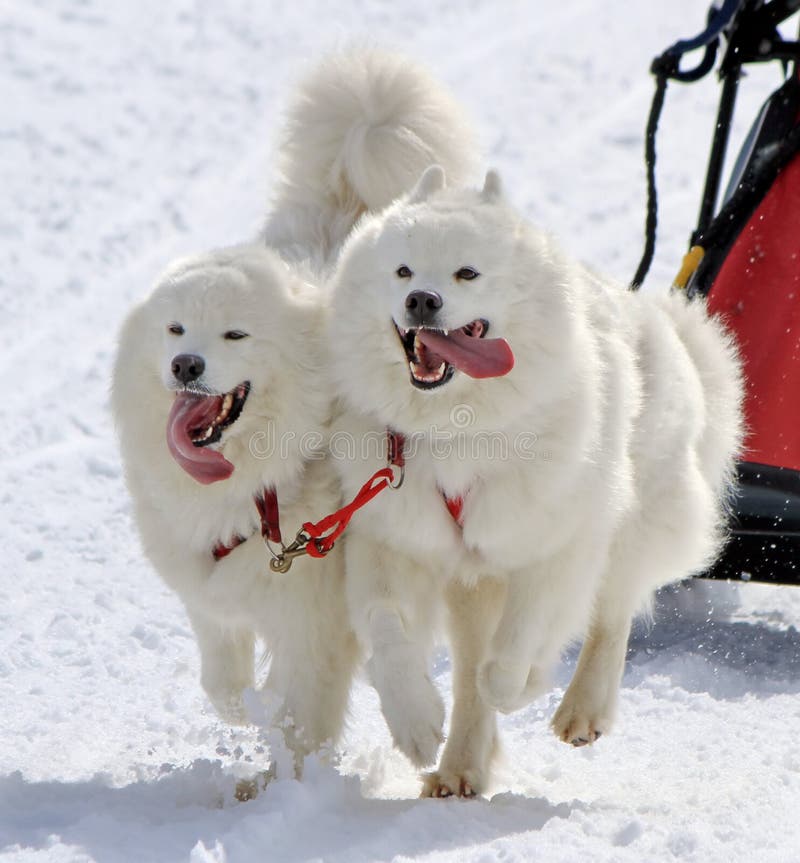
x: 134, y: 132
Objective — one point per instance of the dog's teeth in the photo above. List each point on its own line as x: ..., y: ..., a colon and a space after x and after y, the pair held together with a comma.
x: 446, y: 332
x: 440, y: 370
x: 227, y: 403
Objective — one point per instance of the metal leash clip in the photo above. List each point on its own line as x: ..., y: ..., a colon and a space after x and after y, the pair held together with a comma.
x: 282, y: 560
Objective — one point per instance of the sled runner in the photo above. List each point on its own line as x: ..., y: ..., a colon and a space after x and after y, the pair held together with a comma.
x: 744, y: 259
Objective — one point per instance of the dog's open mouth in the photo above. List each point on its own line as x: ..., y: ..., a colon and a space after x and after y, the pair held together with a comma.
x: 434, y: 355
x: 197, y: 420
x: 222, y: 411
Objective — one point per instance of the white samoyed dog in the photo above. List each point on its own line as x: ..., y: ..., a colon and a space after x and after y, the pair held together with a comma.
x: 221, y: 406
x: 569, y: 448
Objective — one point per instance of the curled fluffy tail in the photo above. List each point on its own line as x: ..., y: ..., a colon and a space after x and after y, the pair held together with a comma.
x: 361, y: 128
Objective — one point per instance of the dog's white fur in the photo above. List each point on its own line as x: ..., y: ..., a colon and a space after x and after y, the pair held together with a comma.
x: 614, y: 439
x: 360, y: 129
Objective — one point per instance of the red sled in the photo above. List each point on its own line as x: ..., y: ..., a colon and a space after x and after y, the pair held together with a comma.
x: 748, y: 250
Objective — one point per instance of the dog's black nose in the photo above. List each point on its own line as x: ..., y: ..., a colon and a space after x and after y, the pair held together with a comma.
x: 421, y: 307
x: 188, y: 367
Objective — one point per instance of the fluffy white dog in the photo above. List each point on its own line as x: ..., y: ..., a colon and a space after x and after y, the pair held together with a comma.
x: 569, y: 448
x: 219, y: 397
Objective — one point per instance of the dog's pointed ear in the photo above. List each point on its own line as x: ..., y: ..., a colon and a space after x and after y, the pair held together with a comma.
x: 432, y: 180
x: 492, y: 187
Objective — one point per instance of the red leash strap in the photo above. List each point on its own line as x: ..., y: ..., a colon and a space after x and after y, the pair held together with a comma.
x: 338, y: 521
x: 316, y: 539
x: 326, y: 531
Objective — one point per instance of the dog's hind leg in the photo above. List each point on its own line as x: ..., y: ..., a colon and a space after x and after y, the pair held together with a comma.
x: 664, y: 543
x: 472, y: 742
x: 589, y: 705
x: 227, y: 664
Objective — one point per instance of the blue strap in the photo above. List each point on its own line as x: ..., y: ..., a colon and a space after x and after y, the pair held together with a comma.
x: 717, y: 23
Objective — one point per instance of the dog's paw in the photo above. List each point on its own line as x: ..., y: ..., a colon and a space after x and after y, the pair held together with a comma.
x: 417, y: 725
x: 414, y: 712
x: 579, y: 722
x: 443, y: 783
x: 249, y: 789
x: 230, y: 706
x: 508, y: 686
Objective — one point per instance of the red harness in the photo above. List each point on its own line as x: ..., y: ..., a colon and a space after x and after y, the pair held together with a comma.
x: 316, y: 539
x: 455, y: 506
x: 267, y: 506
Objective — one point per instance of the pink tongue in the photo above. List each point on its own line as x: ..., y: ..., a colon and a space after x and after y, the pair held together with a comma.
x: 479, y: 358
x: 190, y: 413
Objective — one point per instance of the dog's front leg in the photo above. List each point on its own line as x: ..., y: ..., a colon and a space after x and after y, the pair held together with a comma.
x: 411, y: 705
x: 472, y: 742
x: 393, y: 604
x: 313, y: 656
x: 546, y: 605
x: 227, y: 663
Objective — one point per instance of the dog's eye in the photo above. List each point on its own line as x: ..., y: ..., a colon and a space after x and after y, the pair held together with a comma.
x: 175, y: 329
x: 467, y: 274
x: 404, y: 272
x: 235, y: 335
